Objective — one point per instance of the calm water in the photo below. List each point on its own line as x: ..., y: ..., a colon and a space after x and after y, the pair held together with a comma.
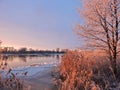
x: 30, y: 63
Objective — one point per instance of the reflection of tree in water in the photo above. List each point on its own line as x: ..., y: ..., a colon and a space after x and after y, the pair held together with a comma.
x: 8, y: 57
x: 11, y: 57
x: 53, y: 56
x: 23, y: 58
x: 57, y: 57
x: 3, y: 62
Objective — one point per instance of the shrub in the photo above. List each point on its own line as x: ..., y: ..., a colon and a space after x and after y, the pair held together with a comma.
x: 86, y: 70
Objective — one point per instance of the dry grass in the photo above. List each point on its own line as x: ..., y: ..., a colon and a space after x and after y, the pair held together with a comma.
x: 10, y: 81
x: 86, y: 71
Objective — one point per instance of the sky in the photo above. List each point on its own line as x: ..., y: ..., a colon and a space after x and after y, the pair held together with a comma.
x: 39, y: 24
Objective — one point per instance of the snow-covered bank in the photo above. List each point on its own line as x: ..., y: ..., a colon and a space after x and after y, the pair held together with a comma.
x: 29, y: 71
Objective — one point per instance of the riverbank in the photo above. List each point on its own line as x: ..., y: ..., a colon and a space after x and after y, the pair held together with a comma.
x: 40, y: 81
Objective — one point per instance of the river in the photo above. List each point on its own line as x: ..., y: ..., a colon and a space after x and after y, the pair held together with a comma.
x: 30, y: 64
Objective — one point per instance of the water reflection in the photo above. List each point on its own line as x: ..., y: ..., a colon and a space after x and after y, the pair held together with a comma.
x: 15, y: 61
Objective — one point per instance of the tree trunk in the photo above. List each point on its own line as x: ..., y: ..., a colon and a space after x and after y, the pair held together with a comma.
x: 114, y: 67
x: 114, y: 60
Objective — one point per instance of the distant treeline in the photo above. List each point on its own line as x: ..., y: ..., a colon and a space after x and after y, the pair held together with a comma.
x: 22, y: 51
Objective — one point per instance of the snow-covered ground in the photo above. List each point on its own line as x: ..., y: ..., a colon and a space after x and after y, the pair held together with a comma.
x: 28, y: 71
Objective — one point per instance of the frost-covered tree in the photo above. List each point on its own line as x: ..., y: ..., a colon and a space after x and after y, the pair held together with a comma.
x: 101, y: 26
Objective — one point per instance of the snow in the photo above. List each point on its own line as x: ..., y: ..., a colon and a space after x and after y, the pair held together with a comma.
x: 31, y: 70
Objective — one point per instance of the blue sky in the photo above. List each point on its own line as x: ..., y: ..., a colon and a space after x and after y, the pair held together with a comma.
x: 42, y: 24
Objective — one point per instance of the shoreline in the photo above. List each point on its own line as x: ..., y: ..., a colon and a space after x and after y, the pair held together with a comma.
x: 41, y: 81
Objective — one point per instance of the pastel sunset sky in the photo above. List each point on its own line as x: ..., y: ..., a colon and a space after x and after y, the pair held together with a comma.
x: 42, y: 24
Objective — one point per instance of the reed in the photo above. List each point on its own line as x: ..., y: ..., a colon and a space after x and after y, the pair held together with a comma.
x: 86, y: 70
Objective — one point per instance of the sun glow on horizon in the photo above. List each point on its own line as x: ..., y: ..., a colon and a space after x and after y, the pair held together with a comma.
x: 38, y: 24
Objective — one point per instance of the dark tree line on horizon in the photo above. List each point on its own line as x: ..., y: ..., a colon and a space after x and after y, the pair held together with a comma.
x: 32, y: 51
